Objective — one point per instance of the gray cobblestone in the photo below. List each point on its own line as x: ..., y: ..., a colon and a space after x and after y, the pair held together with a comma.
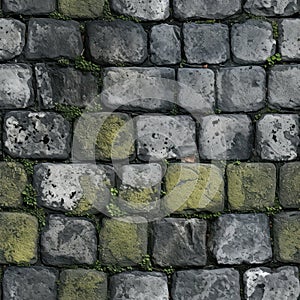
x: 29, y: 7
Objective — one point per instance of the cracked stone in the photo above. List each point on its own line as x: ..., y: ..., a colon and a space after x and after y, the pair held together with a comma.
x: 29, y: 7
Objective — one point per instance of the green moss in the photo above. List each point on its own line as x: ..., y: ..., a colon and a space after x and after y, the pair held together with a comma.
x: 146, y: 263
x: 64, y: 62
x: 59, y: 16
x: 275, y: 30
x: 87, y: 66
x: 69, y: 112
x: 29, y: 196
x: 272, y: 60
x: 139, y: 197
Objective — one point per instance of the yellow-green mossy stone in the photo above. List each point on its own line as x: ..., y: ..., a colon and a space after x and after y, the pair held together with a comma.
x: 251, y: 185
x: 13, y: 180
x: 18, y: 238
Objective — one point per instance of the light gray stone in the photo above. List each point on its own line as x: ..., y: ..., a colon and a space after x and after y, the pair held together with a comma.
x: 225, y: 137
x: 241, y: 239
x: 165, y: 45
x: 29, y: 7
x: 155, y: 10
x: 117, y: 42
x: 206, y: 285
x: 241, y: 89
x: 15, y: 86
x: 263, y: 283
x: 139, y: 286
x: 206, y: 43
x: 252, y: 42
x: 277, y: 137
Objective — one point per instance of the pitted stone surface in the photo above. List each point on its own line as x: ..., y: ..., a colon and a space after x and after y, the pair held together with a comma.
x: 49, y: 38
x: 241, y: 239
x: 241, y: 89
x: 15, y: 86
x: 225, y: 137
x: 272, y: 7
x: 34, y: 283
x: 206, y: 43
x: 36, y: 135
x: 207, y: 9
x: 64, y: 86
x: 155, y: 10
x: 165, y: 137
x: 165, y: 44
x: 252, y: 42
x: 117, y: 42
x: 29, y: 7
x: 179, y: 242
x: 132, y: 89
x: 196, y: 90
x: 278, y: 137
x: 68, y: 241
x: 264, y: 283
x: 284, y: 83
x: 206, y: 284
x: 139, y: 286
x: 81, y: 188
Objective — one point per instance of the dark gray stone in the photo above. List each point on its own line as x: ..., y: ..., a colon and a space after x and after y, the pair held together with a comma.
x: 206, y: 43
x: 179, y: 242
x: 264, y: 283
x: 206, y: 285
x: 33, y: 283
x: 139, y: 286
x: 284, y: 82
x: 252, y: 42
x: 49, y: 38
x: 241, y: 89
x: 225, y: 137
x: 218, y: 9
x: 29, y: 7
x: 241, y: 239
x: 68, y: 241
x: 117, y: 42
x: 36, y: 135
x: 16, y: 86
x: 164, y: 137
x: 277, y: 137
x: 65, y: 86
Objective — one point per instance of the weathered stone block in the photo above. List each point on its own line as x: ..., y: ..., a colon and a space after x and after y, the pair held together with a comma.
x: 29, y: 7
x: 264, y: 283
x: 16, y: 86
x: 196, y: 90
x: 241, y: 89
x: 277, y: 137
x: 36, y: 135
x: 82, y: 284
x: 206, y: 284
x: 65, y: 86
x: 18, y: 238
x: 195, y: 187
x: 283, y: 86
x: 117, y: 42
x: 251, y: 185
x: 156, y: 10
x: 241, y: 239
x: 123, y: 241
x: 164, y: 137
x: 206, y: 43
x: 179, y: 242
x: 139, y: 286
x: 34, y: 283
x: 68, y: 241
x: 252, y: 42
x: 225, y: 137
x: 49, y: 38
x: 287, y: 237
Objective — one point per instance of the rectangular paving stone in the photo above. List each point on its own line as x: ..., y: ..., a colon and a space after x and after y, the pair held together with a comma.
x: 29, y: 7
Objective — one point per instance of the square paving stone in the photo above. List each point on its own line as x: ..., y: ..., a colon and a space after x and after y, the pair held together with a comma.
x: 251, y: 186
x: 206, y: 285
x: 34, y: 283
x: 287, y: 237
x: 139, y: 286
x: 241, y: 239
x: 68, y: 241
x: 179, y: 242
x: 29, y: 7
x: 18, y: 238
x: 82, y: 284
x: 264, y: 283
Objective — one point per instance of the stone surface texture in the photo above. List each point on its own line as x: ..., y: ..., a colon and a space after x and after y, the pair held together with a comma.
x: 29, y: 7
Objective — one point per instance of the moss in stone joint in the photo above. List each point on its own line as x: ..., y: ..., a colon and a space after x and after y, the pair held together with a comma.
x: 69, y: 112
x: 59, y: 16
x: 64, y: 62
x: 87, y: 66
x: 275, y: 30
